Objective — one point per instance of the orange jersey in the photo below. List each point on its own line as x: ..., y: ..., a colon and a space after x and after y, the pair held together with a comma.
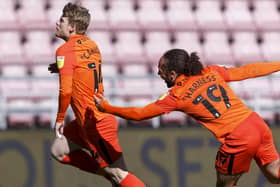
x: 206, y: 97
x: 79, y: 63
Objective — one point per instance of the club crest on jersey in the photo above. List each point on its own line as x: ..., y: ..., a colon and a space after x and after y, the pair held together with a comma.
x: 60, y: 61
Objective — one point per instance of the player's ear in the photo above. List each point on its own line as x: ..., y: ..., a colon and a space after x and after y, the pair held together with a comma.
x: 72, y: 28
x: 173, y: 75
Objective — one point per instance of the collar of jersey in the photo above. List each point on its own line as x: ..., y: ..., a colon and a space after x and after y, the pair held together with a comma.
x: 181, y: 78
x: 76, y: 36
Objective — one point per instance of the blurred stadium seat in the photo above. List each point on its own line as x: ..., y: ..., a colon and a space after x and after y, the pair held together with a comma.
x: 265, y: 108
x: 209, y: 15
x: 32, y: 14
x: 137, y: 69
x: 119, y: 101
x: 10, y: 20
x: 18, y: 115
x: 11, y: 50
x: 238, y: 88
x: 217, y: 49
x: 275, y: 96
x: 180, y: 16
x: 238, y: 15
x: 35, y: 54
x: 245, y: 47
x: 176, y: 118
x: 122, y: 15
x: 110, y: 69
x: 14, y: 71
x: 104, y: 40
x: 18, y: 103
x: 15, y: 86
x: 270, y: 45
x: 109, y: 86
x: 44, y: 87
x: 40, y: 70
x: 55, y: 44
x: 275, y: 88
x: 134, y: 87
x: 157, y: 42
x: 159, y: 87
x: 132, y: 51
x: 20, y: 120
x: 99, y: 15
x: 151, y: 15
x: 46, y: 107
x: 270, y: 19
x: 258, y: 87
x: 132, y: 36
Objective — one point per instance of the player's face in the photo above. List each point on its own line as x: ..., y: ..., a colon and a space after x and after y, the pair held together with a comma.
x: 63, y: 28
x: 164, y: 74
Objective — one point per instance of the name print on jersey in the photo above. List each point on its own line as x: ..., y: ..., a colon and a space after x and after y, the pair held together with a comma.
x: 87, y: 54
x: 197, y: 84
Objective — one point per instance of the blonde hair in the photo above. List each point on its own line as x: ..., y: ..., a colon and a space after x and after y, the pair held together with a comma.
x: 78, y: 16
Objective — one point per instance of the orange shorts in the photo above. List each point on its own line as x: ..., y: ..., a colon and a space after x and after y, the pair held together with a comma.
x: 252, y: 139
x: 100, y: 138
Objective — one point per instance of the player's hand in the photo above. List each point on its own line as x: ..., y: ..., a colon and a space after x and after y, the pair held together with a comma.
x: 53, y: 68
x: 98, y: 101
x: 59, y: 129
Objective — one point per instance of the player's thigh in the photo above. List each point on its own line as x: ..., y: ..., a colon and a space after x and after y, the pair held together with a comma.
x: 103, y: 140
x: 70, y: 141
x: 74, y: 134
x: 267, y: 156
x: 227, y: 180
x: 271, y: 171
x: 239, y: 148
x: 235, y: 157
x: 62, y: 146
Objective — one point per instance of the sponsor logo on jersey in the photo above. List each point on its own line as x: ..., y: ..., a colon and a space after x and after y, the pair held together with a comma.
x: 60, y: 61
x: 91, y: 65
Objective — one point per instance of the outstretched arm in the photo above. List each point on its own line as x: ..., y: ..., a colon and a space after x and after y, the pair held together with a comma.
x: 132, y: 113
x: 253, y: 70
x: 248, y: 71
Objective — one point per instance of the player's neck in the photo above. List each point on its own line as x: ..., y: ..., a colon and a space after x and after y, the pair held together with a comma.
x: 67, y: 38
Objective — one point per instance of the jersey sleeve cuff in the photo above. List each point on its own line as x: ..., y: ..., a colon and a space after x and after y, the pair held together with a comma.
x: 59, y: 118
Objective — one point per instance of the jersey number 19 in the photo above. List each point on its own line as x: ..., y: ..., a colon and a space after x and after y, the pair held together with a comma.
x: 205, y: 101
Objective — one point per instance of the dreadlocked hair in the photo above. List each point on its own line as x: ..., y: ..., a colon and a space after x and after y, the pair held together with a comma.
x: 181, y: 62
